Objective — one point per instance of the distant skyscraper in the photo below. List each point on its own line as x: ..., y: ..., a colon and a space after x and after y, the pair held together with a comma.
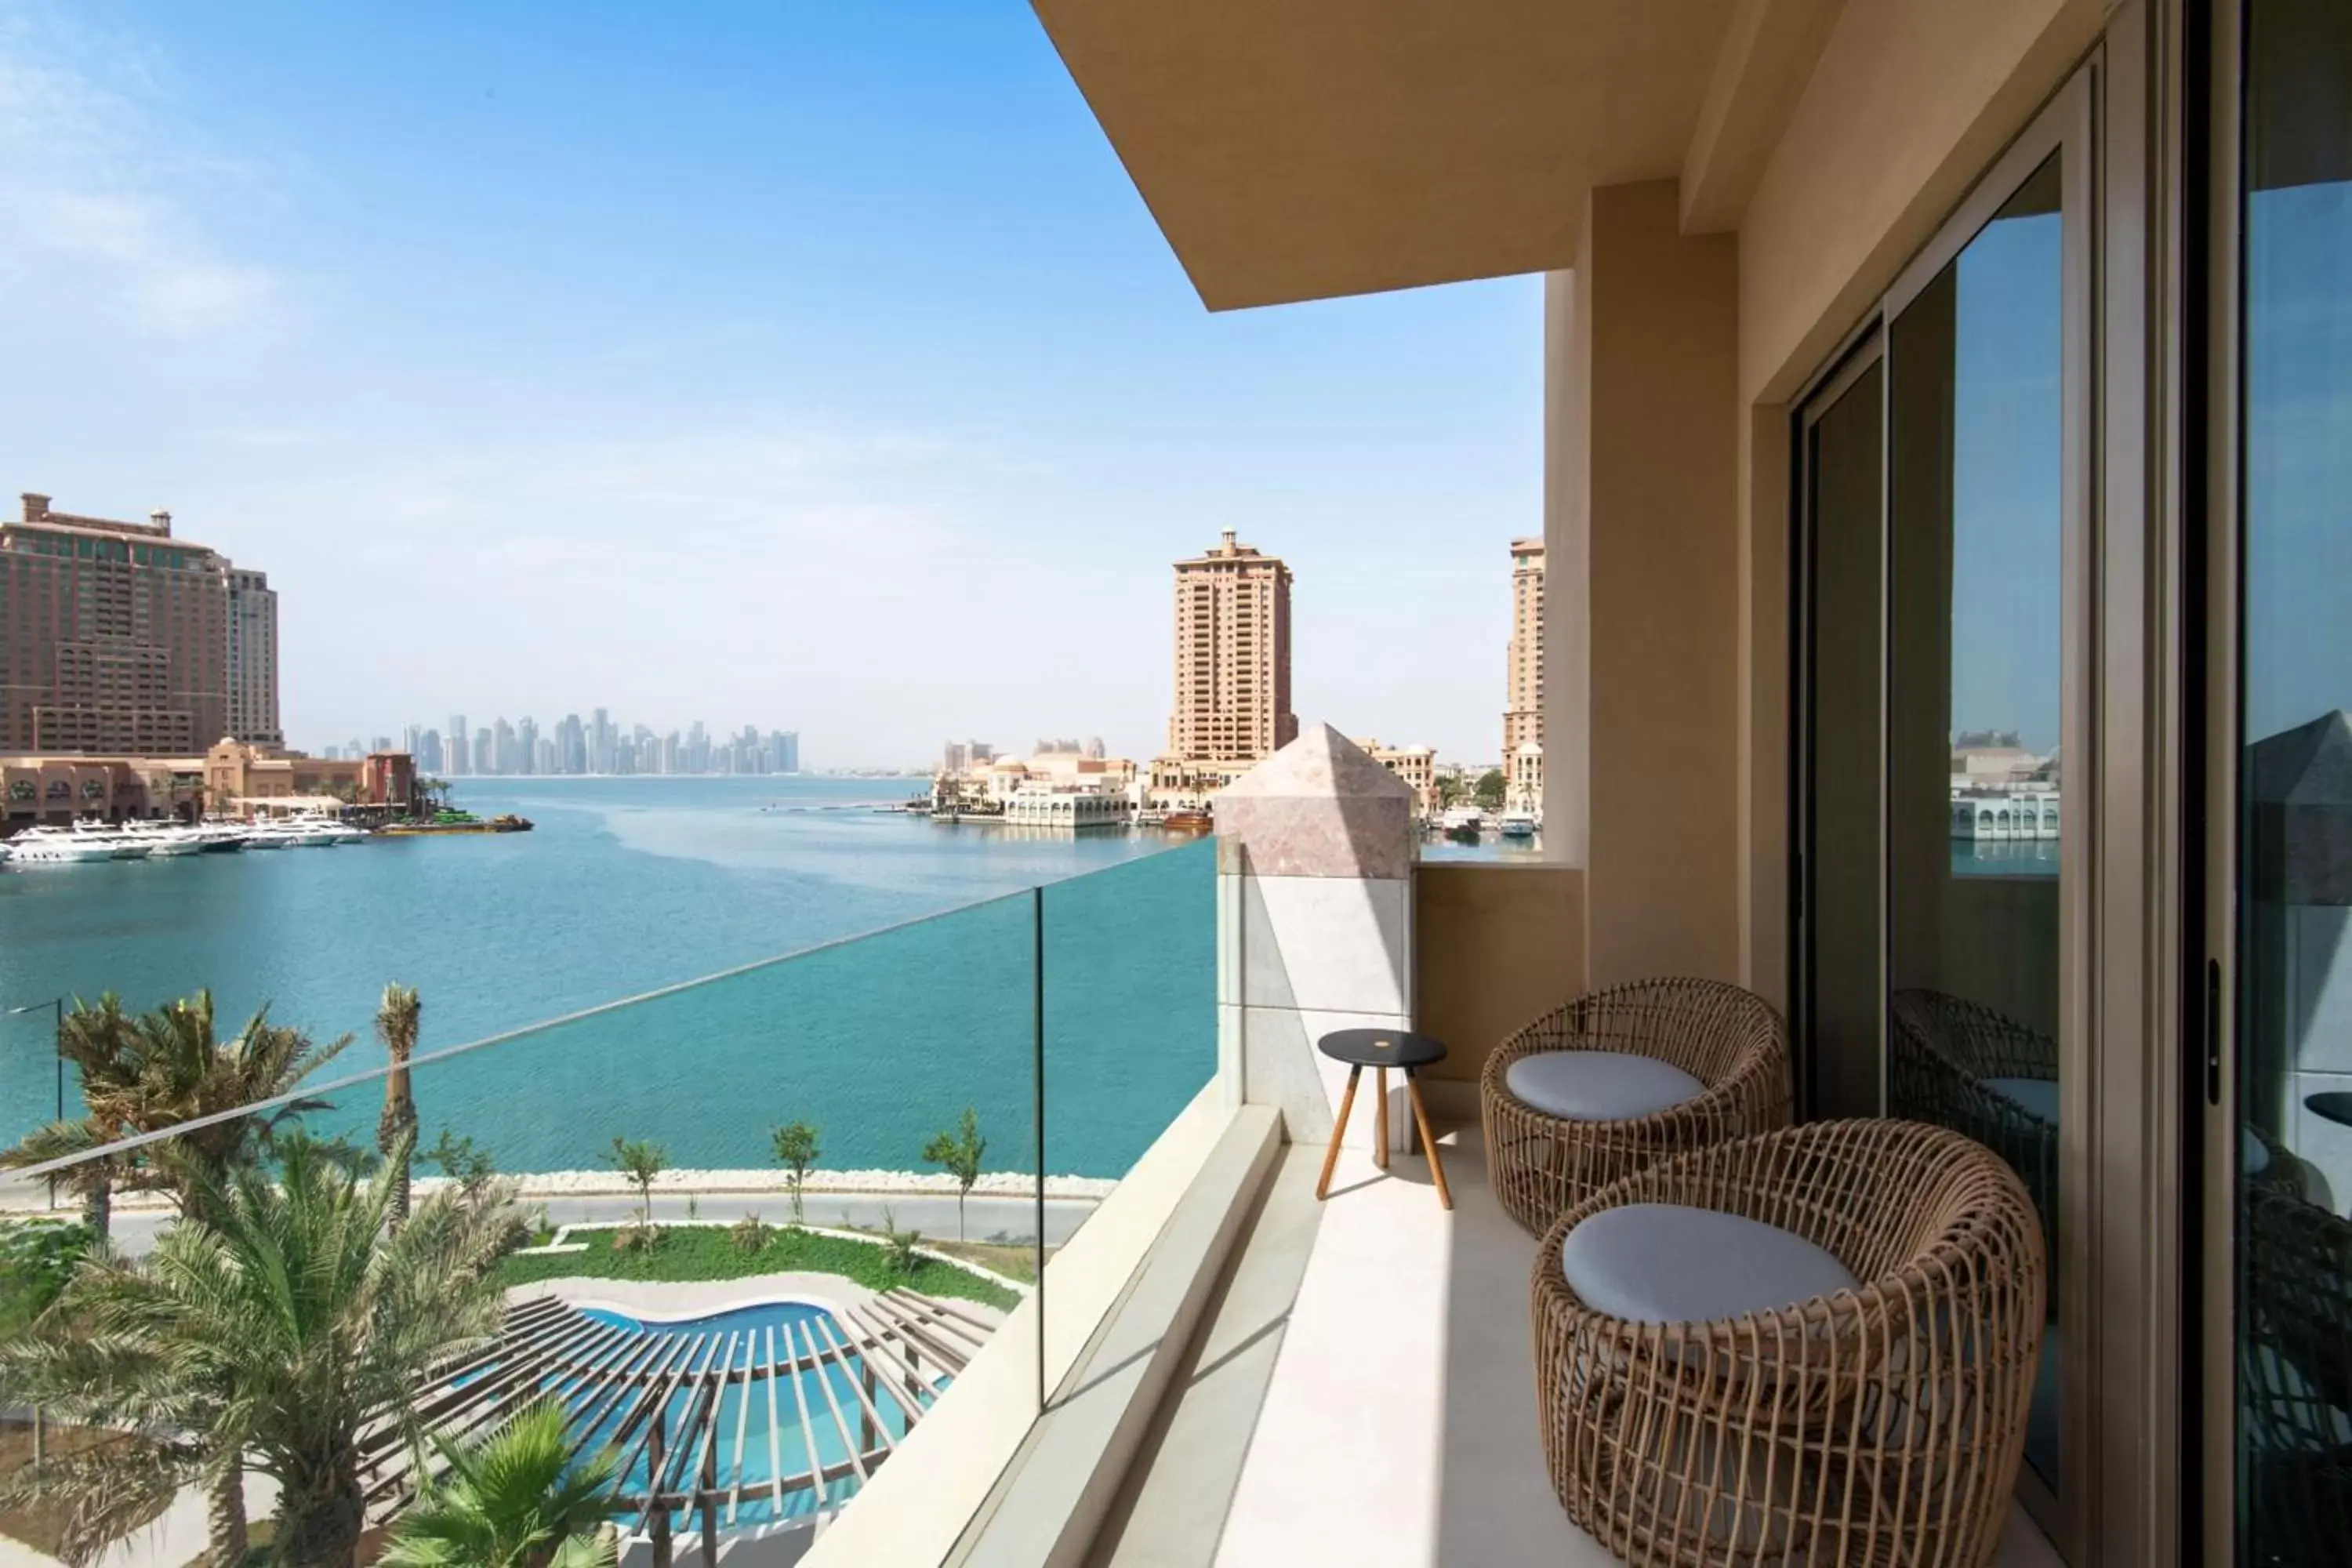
x: 114, y: 637
x: 428, y: 752
x: 571, y: 743
x: 485, y: 758
x: 1232, y: 655
x: 600, y: 742
x: 542, y: 755
x: 502, y: 748
x: 788, y: 751
x: 526, y: 745
x: 1523, y: 675
x: 459, y: 759
x: 253, y: 659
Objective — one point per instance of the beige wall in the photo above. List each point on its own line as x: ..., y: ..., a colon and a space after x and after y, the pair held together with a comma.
x: 1907, y: 104
x: 1656, y: 320
x: 1493, y: 947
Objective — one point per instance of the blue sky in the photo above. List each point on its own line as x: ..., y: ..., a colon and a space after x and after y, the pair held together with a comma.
x: 803, y: 366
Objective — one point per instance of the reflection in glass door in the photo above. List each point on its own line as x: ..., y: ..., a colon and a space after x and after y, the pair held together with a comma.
x: 2293, y: 1053
x: 1942, y: 566
x: 1976, y: 776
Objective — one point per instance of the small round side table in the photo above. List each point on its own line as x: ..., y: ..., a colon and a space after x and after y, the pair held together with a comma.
x: 1381, y: 1049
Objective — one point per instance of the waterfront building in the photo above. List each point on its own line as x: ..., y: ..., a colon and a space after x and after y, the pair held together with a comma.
x: 252, y: 656
x: 1416, y: 765
x: 1523, y: 779
x: 484, y: 756
x: 526, y: 745
x: 1186, y: 783
x: 504, y: 758
x: 1048, y: 807
x: 1232, y: 655
x: 1523, y: 659
x: 427, y: 751
x: 114, y: 637
x: 457, y: 742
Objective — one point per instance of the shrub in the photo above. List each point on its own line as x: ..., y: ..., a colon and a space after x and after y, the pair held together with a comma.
x: 639, y: 1236
x: 750, y: 1234
x: 904, y: 1259
x: 36, y: 1258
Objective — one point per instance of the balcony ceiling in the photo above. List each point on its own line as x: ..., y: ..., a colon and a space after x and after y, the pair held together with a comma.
x: 1300, y: 149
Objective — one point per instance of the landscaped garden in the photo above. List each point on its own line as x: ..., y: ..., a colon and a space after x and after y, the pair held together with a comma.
x: 300, y: 1293
x: 711, y: 1252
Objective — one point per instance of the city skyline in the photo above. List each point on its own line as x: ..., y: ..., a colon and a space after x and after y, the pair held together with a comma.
x: 597, y: 746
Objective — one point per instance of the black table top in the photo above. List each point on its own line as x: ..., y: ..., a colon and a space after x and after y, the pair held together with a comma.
x: 1381, y: 1048
x: 2336, y: 1105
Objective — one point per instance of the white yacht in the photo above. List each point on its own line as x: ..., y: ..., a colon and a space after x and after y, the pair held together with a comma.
x: 164, y: 838
x: 1518, y: 825
x: 39, y: 847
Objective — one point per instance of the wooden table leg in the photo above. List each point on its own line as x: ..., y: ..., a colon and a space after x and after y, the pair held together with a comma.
x: 1380, y: 1119
x: 1338, y: 1130
x: 1428, y: 1143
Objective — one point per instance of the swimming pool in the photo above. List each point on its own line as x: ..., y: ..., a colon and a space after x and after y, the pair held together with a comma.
x: 767, y: 1414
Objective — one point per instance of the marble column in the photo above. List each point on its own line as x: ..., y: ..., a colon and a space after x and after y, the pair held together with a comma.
x: 1315, y: 865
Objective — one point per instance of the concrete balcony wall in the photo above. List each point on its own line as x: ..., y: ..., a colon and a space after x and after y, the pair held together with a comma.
x: 1493, y: 947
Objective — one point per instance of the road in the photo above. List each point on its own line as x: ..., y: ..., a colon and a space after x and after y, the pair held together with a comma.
x: 1012, y: 1220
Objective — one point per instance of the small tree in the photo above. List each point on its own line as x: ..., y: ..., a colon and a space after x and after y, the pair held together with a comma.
x: 1491, y: 787
x: 640, y: 1162
x: 796, y: 1151
x: 461, y: 1161
x: 958, y: 1153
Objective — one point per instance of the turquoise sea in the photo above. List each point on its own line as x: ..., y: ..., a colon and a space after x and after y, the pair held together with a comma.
x: 631, y: 886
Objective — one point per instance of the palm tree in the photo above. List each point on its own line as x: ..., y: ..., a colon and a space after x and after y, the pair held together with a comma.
x: 279, y: 1320
x: 181, y: 1071
x: 514, y: 1500
x: 97, y: 1041
x: 395, y: 1026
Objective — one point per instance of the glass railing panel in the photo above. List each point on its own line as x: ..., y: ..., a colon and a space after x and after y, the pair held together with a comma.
x: 749, y: 1355
x: 1131, y: 1011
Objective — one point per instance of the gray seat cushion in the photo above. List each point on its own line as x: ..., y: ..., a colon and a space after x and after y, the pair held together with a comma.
x: 2037, y: 1097
x: 1665, y: 1263
x: 1599, y: 1086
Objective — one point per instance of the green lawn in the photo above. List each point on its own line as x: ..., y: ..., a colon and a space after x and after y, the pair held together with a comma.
x: 708, y: 1252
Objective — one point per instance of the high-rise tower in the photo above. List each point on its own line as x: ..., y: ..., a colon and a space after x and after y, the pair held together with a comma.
x: 1233, y: 657
x: 1523, y: 677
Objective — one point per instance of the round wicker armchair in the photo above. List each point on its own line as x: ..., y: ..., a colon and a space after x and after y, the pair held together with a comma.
x: 1730, y: 1040
x: 1880, y: 1424
x: 1962, y: 1065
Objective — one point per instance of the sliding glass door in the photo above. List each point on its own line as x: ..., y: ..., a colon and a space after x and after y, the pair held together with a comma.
x: 1941, y: 692
x: 2291, y: 1078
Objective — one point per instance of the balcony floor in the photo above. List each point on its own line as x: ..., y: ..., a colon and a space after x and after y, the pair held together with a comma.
x: 1361, y: 1392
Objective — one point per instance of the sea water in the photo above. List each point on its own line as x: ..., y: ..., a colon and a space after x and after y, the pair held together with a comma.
x: 631, y: 886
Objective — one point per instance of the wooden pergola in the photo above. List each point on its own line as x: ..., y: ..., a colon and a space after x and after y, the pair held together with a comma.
x: 656, y: 1394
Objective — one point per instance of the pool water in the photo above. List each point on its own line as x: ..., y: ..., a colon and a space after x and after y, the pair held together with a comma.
x: 791, y: 1418
x: 760, y: 1315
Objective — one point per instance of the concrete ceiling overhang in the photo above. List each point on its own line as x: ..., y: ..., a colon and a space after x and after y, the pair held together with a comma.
x: 1301, y: 149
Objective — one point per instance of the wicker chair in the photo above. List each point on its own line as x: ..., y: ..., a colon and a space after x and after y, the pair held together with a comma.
x: 1878, y: 1424
x: 1946, y: 1049
x: 1729, y: 1039
x: 2295, y: 1377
